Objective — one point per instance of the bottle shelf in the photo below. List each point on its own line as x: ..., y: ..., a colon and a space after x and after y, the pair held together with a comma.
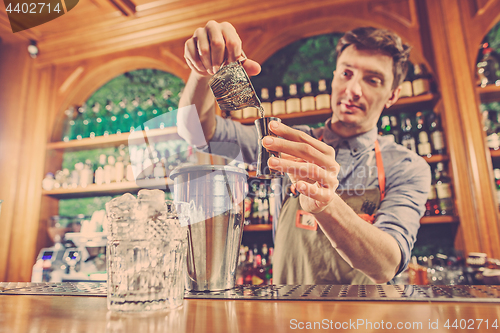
x: 114, y: 140
x: 94, y: 190
x: 407, y: 103
x: 438, y: 219
x: 494, y: 153
x: 258, y: 227
x: 490, y: 93
x: 423, y: 220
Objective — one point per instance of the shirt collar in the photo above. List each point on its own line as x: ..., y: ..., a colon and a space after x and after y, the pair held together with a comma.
x: 356, y: 144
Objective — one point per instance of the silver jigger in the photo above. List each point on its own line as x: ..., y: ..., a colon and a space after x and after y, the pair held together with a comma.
x: 232, y: 88
x: 263, y: 170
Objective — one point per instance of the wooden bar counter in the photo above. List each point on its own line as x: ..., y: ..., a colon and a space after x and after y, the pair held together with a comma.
x: 39, y: 313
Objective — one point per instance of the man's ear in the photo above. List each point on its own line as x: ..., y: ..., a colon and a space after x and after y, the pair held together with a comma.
x: 394, y: 97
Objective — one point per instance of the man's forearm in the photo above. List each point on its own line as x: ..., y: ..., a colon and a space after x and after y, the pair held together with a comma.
x: 197, y: 92
x: 363, y: 246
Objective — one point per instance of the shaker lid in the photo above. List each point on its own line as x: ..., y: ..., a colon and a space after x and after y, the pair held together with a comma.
x: 206, y: 168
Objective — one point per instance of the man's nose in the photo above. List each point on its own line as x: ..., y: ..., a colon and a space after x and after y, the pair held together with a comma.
x: 353, y: 88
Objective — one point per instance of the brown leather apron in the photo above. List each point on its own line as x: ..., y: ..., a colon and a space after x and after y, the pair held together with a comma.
x: 303, y: 253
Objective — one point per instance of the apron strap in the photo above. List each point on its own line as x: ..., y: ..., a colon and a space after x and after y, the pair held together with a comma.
x: 380, y: 175
x: 380, y: 170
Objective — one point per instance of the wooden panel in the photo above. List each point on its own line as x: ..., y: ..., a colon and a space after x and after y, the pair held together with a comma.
x: 94, y: 190
x: 14, y: 92
x: 474, y: 192
x: 115, y: 140
x: 479, y: 16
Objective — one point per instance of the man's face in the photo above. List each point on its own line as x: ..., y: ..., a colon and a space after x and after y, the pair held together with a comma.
x: 361, y: 88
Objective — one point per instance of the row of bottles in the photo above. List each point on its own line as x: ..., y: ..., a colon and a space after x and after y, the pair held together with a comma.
x: 137, y: 163
x: 490, y: 114
x: 290, y: 101
x: 258, y: 202
x: 255, y: 267
x: 422, y: 133
x: 487, y: 66
x: 127, y: 116
x: 418, y: 82
x: 440, y: 200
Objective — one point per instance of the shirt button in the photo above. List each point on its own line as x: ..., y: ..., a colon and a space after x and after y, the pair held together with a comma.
x: 355, y: 150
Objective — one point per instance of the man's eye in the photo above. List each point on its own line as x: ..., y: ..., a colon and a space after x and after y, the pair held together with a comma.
x: 375, y: 80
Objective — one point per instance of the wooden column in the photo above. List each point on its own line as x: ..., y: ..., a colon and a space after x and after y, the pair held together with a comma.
x: 473, y: 184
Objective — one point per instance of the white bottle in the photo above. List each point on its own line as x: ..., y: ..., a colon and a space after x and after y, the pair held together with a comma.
x: 307, y: 101
x: 323, y: 98
x: 48, y: 182
x: 109, y: 170
x: 278, y: 105
x: 119, y: 169
x: 293, y: 101
x: 265, y: 102
x: 99, y: 173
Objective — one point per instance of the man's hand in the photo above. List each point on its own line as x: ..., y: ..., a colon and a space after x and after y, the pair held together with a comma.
x: 309, y: 163
x: 213, y: 45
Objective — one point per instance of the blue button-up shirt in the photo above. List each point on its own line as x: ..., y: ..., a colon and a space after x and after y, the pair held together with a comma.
x: 408, y: 176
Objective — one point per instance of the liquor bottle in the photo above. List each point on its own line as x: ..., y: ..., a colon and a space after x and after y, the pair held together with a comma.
x: 491, y: 127
x: 395, y: 129
x: 250, y: 112
x: 241, y: 265
x: 407, y: 138
x: 323, y: 97
x: 109, y: 170
x: 421, y: 81
x: 269, y: 267
x: 110, y: 124
x: 248, y: 270
x: 437, y: 138
x: 385, y: 127
x: 78, y: 130
x: 159, y: 170
x: 497, y: 183
x: 424, y: 146
x: 278, y: 105
x: 99, y: 173
x: 406, y: 86
x: 406, y: 89
x: 126, y: 122
x: 488, y: 65
x: 119, y: 169
x: 443, y: 190
x: 432, y: 204
x: 248, y: 209
x: 97, y: 121
x: 255, y: 217
x: 48, y: 181
x: 265, y: 252
x: 292, y: 102
x: 137, y: 114
x: 258, y: 273
x: 87, y: 175
x: 265, y: 102
x: 129, y: 170
x: 69, y: 124
x: 307, y: 102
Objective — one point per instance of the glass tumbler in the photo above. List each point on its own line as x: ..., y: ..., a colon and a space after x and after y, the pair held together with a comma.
x: 145, y: 257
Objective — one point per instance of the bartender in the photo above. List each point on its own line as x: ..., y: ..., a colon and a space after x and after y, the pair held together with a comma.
x: 358, y: 197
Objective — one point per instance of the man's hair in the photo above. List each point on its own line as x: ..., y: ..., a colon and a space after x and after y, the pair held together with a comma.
x: 384, y: 41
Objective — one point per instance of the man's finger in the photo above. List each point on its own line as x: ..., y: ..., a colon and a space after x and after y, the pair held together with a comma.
x: 192, y: 57
x: 232, y: 42
x: 203, y: 47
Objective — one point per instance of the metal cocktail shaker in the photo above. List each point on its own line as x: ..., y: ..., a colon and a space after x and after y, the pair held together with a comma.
x: 215, y: 195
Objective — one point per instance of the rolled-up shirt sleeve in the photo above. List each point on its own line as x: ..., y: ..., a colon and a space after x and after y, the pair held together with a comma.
x: 407, y: 189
